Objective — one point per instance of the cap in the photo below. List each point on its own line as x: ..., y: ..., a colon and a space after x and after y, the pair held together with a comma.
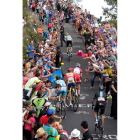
x: 63, y: 136
x: 106, y: 45
x: 115, y: 72
x: 109, y: 50
x: 47, y: 104
x: 111, y: 59
x: 38, y: 81
x: 47, y: 40
x: 32, y: 111
x: 49, y: 61
x: 42, y: 86
x: 27, y: 103
x: 50, y: 112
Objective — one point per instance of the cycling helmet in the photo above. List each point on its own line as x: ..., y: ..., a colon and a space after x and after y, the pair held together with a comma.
x: 58, y: 77
x: 70, y: 69
x: 101, y: 88
x: 77, y: 65
x: 66, y: 34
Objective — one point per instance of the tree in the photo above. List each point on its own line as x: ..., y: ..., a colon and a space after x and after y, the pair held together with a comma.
x: 112, y: 11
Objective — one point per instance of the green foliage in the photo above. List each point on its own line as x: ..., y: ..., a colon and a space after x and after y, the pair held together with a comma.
x: 112, y: 11
x: 29, y: 34
x: 24, y: 3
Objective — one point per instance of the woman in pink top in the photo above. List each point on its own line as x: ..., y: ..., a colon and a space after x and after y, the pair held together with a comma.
x: 29, y: 127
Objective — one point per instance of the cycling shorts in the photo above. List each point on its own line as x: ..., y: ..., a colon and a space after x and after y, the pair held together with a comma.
x: 69, y: 85
x: 77, y: 76
x: 62, y: 91
x: 99, y: 105
x: 69, y: 42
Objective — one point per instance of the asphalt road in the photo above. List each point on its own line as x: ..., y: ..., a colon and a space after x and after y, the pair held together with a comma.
x: 85, y: 112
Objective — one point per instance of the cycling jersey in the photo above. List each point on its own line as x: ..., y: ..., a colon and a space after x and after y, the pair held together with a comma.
x: 100, y: 96
x: 70, y: 77
x: 62, y: 83
x: 77, y: 72
x: 68, y: 38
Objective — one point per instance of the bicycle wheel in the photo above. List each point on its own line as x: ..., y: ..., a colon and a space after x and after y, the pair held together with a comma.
x: 63, y: 109
x: 75, y: 103
x: 100, y: 129
x: 67, y: 99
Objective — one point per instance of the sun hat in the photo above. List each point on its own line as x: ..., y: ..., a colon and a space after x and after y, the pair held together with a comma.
x: 50, y: 112
x: 52, y: 131
x: 75, y: 133
x: 40, y: 132
x: 47, y: 104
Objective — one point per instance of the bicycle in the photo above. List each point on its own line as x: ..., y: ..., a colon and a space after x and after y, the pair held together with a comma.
x: 62, y: 106
x: 75, y: 100
x: 99, y: 123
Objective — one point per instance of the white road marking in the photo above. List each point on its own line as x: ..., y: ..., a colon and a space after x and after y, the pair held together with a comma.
x: 81, y: 112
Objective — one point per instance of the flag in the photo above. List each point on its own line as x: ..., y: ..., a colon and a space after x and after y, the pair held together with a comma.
x: 54, y: 74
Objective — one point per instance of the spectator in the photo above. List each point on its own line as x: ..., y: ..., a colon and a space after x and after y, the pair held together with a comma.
x: 86, y: 134
x: 74, y: 134
x: 30, y: 50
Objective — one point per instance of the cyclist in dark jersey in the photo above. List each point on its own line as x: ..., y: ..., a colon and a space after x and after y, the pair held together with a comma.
x: 101, y: 101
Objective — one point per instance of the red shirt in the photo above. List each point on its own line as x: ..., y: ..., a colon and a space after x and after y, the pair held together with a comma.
x: 33, y: 5
x: 50, y: 24
x: 38, y: 88
x: 44, y: 119
x: 25, y: 80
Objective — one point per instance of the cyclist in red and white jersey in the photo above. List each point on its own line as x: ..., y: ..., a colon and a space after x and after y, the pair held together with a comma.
x: 78, y: 75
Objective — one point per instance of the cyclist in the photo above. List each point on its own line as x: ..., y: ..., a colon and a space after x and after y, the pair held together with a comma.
x: 70, y: 80
x: 101, y: 98
x: 78, y: 75
x: 63, y: 88
x: 68, y: 40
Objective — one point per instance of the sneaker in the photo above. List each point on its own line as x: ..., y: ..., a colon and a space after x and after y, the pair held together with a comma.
x: 70, y: 105
x: 67, y: 54
x: 91, y: 88
x: 86, y: 80
x: 78, y: 94
x: 71, y: 54
x: 109, y: 97
x: 101, y: 127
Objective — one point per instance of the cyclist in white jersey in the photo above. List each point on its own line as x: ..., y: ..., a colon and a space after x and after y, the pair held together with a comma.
x: 68, y: 40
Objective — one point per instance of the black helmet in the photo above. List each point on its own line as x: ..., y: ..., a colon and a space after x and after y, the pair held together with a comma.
x: 58, y: 77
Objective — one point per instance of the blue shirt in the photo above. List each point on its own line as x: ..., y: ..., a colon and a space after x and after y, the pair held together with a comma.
x: 50, y: 14
x: 40, y: 61
x: 45, y: 36
x: 47, y: 12
x: 30, y: 48
x: 48, y: 67
x: 73, y: 17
